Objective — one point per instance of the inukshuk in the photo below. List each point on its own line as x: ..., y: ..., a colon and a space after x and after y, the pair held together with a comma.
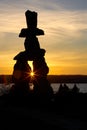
x: 33, y: 52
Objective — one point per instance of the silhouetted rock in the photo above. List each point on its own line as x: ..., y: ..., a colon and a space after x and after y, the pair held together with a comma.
x: 30, y: 55
x: 35, y: 32
x: 75, y: 89
x: 32, y: 44
x: 40, y: 67
x: 22, y: 56
x: 31, y: 19
x: 21, y: 71
x: 66, y: 88
x: 32, y: 30
x: 60, y: 90
x: 33, y: 52
x: 21, y: 77
x: 41, y: 84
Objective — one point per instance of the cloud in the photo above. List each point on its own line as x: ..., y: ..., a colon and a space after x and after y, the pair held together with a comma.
x: 61, y: 4
x: 40, y: 5
x: 10, y: 43
x: 66, y: 29
x: 64, y: 23
x: 72, y: 4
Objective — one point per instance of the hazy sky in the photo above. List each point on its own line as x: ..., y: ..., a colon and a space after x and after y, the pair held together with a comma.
x: 65, y: 25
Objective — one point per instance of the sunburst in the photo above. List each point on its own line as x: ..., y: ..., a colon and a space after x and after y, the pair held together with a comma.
x: 32, y: 74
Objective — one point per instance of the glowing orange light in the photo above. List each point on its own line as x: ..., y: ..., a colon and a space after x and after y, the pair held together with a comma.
x: 32, y: 74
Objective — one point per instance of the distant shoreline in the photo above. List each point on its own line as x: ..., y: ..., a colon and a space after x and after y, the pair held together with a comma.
x: 67, y: 78
x: 53, y: 78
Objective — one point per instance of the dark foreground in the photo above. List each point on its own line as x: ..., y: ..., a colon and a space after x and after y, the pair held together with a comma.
x: 61, y: 113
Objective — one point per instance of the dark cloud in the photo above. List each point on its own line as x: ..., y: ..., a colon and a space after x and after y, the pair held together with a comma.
x: 73, y: 4
x: 67, y: 4
x: 45, y: 5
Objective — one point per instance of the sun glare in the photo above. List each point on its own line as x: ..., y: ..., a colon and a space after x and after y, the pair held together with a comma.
x: 32, y: 74
x: 30, y: 64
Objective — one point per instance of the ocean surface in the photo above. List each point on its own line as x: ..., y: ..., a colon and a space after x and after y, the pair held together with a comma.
x: 4, y: 88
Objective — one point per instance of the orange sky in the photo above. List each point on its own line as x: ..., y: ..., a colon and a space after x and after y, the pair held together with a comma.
x: 65, y: 38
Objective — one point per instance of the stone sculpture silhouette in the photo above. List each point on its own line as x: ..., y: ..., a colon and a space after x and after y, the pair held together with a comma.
x: 33, y: 52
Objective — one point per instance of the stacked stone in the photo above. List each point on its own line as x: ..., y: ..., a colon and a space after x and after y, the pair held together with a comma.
x: 33, y: 52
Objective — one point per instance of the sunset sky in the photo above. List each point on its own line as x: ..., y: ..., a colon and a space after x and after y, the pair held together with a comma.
x: 65, y: 25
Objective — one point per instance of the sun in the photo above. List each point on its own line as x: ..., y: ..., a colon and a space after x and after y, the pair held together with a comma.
x: 32, y: 74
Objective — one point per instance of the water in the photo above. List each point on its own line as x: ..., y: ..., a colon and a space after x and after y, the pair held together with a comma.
x: 82, y: 86
x: 4, y: 88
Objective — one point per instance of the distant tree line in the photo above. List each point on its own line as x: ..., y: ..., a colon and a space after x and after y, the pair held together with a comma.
x: 67, y: 78
x: 53, y: 78
x: 6, y: 79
